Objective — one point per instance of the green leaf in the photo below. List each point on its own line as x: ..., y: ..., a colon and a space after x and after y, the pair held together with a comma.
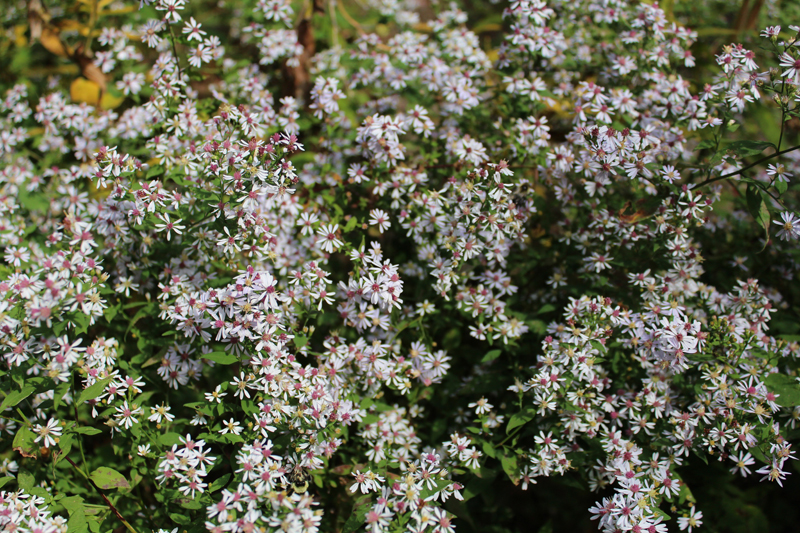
x: 32, y: 201
x: 520, y: 419
x: 24, y: 442
x: 664, y: 516
x: 108, y: 478
x: 190, y: 504
x: 85, y: 430
x: 708, y: 143
x: 179, y: 519
x: 25, y: 481
x: 93, y: 391
x: 350, y: 224
x: 786, y: 387
x: 300, y: 341
x: 13, y: 398
x: 169, y: 439
x: 141, y: 313
x: 748, y: 148
x: 155, y: 170
x: 489, y: 450
x: 232, y: 439
x: 72, y: 503
x: 221, y: 358
x: 111, y: 311
x: 4, y: 480
x: 756, y: 452
x: 781, y: 186
x: 82, y: 323
x: 77, y: 522
x: 685, y: 494
x: 491, y: 356
x: 219, y: 483
x: 480, y: 483
x: 509, y: 464
x: 355, y: 521
x: 704, y: 355
x: 59, y: 393
x: 65, y: 445
x: 758, y: 207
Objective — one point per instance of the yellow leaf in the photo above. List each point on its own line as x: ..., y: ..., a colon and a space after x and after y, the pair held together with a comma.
x: 19, y: 35
x: 121, y: 11
x: 487, y: 26
x: 51, y: 40
x: 70, y: 25
x: 83, y: 90
x: 107, y: 101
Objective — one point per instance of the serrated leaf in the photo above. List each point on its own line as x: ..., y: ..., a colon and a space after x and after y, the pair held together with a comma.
x: 108, y: 478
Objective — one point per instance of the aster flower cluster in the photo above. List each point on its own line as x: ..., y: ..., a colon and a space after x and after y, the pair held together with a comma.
x: 22, y: 511
x: 256, y: 285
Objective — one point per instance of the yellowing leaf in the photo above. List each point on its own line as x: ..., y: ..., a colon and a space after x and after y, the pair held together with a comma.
x: 70, y: 25
x: 19, y: 36
x: 83, y: 90
x: 107, y: 101
x: 121, y: 11
x: 52, y: 42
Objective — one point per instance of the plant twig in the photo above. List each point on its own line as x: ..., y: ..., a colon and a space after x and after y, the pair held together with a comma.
x: 748, y: 167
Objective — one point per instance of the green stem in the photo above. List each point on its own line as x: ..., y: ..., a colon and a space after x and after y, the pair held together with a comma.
x: 512, y: 434
x: 77, y: 423
x: 175, y: 51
